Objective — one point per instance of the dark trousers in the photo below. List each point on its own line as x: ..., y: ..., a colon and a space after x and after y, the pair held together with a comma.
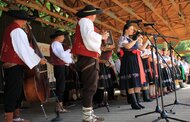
x: 59, y: 73
x: 14, y: 78
x: 89, y: 68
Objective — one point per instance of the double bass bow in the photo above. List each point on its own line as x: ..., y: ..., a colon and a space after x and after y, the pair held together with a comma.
x: 36, y: 85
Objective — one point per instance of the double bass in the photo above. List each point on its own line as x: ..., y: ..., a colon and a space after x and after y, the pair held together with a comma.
x: 36, y: 84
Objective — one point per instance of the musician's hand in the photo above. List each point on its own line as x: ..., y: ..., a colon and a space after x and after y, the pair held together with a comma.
x: 43, y: 61
x: 105, y: 35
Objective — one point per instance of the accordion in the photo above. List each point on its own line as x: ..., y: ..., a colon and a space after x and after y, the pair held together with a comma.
x: 107, y: 53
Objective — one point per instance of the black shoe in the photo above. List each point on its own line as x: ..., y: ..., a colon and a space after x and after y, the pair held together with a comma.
x: 134, y: 103
x: 138, y: 100
x: 141, y: 105
x: 146, y: 97
x: 135, y: 106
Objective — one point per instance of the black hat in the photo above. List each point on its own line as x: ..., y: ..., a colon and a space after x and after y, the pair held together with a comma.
x: 88, y: 10
x: 21, y: 14
x: 58, y: 33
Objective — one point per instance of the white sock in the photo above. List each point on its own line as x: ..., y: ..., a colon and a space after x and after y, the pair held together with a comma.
x: 87, y: 114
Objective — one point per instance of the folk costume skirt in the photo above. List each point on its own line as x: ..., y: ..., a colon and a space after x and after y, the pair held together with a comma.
x: 129, y: 71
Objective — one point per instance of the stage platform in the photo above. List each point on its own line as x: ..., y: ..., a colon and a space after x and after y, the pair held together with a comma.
x: 120, y: 111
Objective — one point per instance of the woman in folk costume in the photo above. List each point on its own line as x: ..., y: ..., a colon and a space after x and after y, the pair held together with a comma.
x: 166, y: 74
x: 86, y: 47
x: 16, y: 53
x: 175, y: 74
x: 154, y: 83
x: 132, y: 75
x: 60, y: 59
x: 145, y: 54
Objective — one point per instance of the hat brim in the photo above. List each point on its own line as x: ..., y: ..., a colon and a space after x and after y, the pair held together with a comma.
x: 52, y: 36
x: 17, y: 15
x: 81, y: 13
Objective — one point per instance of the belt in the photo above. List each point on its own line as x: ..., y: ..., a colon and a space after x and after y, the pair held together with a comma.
x: 8, y: 65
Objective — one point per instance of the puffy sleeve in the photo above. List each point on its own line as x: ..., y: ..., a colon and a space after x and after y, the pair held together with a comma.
x: 58, y: 50
x: 91, y: 39
x: 23, y: 49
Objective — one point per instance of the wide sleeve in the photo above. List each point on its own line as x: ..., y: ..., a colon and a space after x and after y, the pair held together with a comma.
x: 91, y: 39
x: 58, y: 50
x: 122, y: 40
x: 22, y: 48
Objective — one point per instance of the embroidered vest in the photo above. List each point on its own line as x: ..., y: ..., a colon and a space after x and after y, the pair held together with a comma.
x: 7, y: 52
x: 79, y: 47
x: 54, y: 60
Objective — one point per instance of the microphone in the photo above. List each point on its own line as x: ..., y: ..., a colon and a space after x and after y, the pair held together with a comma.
x: 149, y: 24
x: 134, y: 21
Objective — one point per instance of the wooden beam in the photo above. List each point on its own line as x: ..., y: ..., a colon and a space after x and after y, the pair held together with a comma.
x: 184, y: 51
x: 44, y: 10
x: 44, y: 22
x: 62, y: 5
x: 181, y: 16
x: 148, y: 4
x: 128, y: 9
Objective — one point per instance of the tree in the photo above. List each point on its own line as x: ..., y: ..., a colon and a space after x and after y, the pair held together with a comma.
x: 184, y: 45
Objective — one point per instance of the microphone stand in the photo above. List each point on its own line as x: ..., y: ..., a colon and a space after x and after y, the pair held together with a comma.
x: 57, y: 118
x: 155, y: 80
x: 176, y: 102
x: 163, y: 114
x: 105, y: 95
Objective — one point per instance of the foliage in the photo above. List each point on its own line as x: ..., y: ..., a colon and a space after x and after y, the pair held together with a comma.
x: 184, y: 45
x: 2, y: 4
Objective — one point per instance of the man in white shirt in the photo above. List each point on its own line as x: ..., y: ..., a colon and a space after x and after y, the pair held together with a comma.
x: 59, y: 58
x: 86, y: 46
x: 16, y: 52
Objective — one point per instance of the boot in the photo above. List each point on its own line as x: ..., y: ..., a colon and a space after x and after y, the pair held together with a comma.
x: 128, y: 97
x: 134, y: 103
x: 146, y: 97
x: 8, y: 117
x: 138, y: 100
x: 60, y: 108
x: 89, y: 116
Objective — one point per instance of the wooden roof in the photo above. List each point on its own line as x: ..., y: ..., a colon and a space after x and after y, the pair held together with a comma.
x: 172, y: 17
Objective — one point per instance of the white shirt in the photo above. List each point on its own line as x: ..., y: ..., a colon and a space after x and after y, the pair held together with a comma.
x: 59, y: 51
x: 91, y: 39
x: 145, y: 52
x: 122, y: 40
x: 23, y: 49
